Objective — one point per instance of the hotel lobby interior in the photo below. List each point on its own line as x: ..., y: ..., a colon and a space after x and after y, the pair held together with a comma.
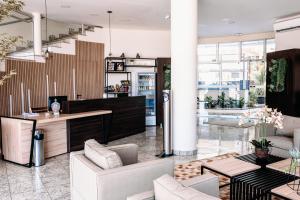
x: 149, y: 100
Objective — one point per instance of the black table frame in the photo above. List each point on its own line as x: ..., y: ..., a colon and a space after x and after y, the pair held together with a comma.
x: 30, y: 163
x: 257, y: 184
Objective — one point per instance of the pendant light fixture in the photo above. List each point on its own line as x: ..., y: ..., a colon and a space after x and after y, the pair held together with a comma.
x: 46, y: 53
x: 109, y: 29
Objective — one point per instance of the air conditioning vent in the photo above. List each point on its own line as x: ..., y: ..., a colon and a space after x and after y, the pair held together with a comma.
x: 287, y: 24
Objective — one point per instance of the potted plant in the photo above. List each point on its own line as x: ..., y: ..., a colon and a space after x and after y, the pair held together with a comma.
x: 208, y: 102
x: 241, y: 102
x: 262, y: 146
x: 222, y: 100
x: 264, y: 118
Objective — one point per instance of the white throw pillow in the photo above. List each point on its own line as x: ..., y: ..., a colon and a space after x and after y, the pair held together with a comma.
x: 104, y: 158
x: 166, y: 188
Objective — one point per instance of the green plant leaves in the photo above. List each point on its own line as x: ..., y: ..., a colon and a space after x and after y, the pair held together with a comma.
x: 277, y: 71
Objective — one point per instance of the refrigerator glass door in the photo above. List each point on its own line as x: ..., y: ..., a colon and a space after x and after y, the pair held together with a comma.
x: 146, y: 87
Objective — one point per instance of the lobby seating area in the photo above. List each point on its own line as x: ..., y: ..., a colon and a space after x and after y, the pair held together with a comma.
x: 149, y: 100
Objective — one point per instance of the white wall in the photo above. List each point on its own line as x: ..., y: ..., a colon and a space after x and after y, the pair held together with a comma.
x: 236, y: 38
x: 148, y: 43
x: 288, y: 40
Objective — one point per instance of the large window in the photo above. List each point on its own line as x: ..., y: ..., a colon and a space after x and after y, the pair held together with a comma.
x: 236, y: 69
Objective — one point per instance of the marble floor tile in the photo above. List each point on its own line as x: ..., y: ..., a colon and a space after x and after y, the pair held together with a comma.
x: 52, y: 181
x: 36, y: 195
x: 59, y: 192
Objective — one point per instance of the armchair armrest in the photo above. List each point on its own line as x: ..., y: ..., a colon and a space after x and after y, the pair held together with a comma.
x: 119, y: 183
x: 149, y: 195
x: 297, y: 138
x: 127, y: 152
x: 207, y: 183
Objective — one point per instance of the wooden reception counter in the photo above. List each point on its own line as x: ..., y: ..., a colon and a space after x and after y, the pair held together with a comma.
x: 101, y: 119
x: 17, y: 134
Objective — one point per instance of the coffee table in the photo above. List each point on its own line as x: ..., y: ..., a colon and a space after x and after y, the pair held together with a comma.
x: 285, y: 192
x: 253, y: 159
x: 257, y: 184
x: 229, y: 167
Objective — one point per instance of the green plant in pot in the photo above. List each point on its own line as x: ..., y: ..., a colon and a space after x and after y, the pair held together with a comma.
x: 263, y: 119
x: 222, y: 100
x: 209, y: 101
x: 241, y: 102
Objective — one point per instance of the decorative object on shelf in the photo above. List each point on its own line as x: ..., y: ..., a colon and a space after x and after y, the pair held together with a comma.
x: 278, y: 70
x: 294, y: 169
x: 122, y: 55
x: 55, y: 106
x: 109, y: 29
x: 110, y: 66
x: 125, y: 84
x: 117, y: 88
x: 263, y: 118
x: 138, y: 56
x: 119, y: 66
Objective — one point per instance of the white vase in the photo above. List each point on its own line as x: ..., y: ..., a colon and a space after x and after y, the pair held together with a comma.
x: 55, y: 107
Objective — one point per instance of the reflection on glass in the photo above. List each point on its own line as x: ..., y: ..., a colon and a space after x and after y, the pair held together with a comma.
x: 229, y: 51
x: 253, y: 50
x: 240, y: 70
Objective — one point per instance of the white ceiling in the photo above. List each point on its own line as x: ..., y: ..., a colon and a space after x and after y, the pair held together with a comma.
x: 216, y: 17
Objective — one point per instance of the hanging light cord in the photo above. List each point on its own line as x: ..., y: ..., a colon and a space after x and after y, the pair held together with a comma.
x: 46, y: 13
x: 109, y: 27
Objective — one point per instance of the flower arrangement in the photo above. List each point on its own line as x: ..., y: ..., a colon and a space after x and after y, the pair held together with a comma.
x: 263, y: 118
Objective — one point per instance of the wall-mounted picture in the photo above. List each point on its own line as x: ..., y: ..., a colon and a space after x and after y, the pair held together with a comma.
x: 110, y: 66
x: 119, y: 66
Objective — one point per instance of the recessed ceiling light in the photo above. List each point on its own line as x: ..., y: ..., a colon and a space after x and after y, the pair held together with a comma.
x: 202, y: 25
x: 65, y: 6
x: 228, y: 21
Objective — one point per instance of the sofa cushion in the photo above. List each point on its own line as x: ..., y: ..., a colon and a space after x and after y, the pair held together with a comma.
x: 166, y: 188
x: 289, y: 125
x: 104, y: 158
x: 281, y: 142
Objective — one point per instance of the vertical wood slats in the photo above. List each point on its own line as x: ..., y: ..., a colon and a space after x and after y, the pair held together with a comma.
x: 89, y: 66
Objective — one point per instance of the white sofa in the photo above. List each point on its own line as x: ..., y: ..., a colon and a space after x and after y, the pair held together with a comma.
x: 206, y: 187
x: 284, y: 139
x: 90, y: 182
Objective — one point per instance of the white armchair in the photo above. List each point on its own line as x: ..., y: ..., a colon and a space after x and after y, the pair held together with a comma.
x: 285, y: 139
x: 208, y: 184
x: 90, y: 182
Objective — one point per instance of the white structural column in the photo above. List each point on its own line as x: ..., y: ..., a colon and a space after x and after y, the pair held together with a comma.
x: 184, y: 36
x: 37, y: 34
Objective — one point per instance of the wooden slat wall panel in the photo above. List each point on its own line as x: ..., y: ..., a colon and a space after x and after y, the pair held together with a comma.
x: 88, y: 64
x: 88, y: 68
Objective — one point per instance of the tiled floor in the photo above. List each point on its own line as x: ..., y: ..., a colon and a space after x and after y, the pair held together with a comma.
x: 51, y: 181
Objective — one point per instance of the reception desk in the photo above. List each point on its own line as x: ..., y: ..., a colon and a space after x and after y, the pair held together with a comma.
x: 17, y: 133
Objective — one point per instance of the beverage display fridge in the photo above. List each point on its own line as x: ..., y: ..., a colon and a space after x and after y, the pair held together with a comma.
x: 147, y: 87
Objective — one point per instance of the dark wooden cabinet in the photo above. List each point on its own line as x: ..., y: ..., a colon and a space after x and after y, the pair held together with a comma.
x: 127, y: 118
x: 161, y: 63
x: 287, y: 101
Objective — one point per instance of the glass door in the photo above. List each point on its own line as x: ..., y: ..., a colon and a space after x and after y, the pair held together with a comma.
x: 147, y: 87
